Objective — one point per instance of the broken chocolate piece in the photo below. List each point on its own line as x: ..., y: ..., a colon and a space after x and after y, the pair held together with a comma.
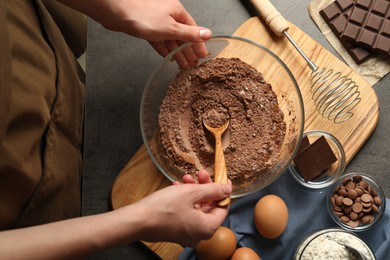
x: 304, y: 144
x: 316, y: 158
x: 336, y: 15
x: 369, y: 25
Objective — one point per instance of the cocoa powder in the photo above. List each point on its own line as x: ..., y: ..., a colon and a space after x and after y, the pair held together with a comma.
x: 218, y: 90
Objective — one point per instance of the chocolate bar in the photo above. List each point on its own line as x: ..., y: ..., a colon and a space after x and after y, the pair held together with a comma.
x: 369, y: 25
x: 336, y: 15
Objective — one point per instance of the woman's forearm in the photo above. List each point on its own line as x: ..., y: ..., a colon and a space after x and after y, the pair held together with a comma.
x: 152, y: 20
x: 168, y: 215
x: 92, y: 8
x: 74, y: 238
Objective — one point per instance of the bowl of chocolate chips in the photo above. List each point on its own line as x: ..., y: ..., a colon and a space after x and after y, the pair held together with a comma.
x: 223, y: 79
x: 356, y: 202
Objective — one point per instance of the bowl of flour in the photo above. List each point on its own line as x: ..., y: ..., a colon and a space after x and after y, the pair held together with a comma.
x: 329, y: 244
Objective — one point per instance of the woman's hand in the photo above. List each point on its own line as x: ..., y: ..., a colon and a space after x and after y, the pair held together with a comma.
x: 164, y: 23
x: 185, y: 213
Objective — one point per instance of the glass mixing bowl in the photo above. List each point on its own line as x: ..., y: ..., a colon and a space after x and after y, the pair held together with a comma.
x: 274, y: 71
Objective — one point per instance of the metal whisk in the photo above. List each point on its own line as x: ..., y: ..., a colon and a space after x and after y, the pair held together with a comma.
x: 334, y: 94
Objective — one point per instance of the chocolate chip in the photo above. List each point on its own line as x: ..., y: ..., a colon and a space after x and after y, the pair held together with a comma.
x: 353, y: 223
x: 366, y: 219
x: 366, y: 209
x: 363, y: 184
x: 378, y: 201
x: 366, y: 198
x: 343, y: 192
x: 353, y: 216
x: 357, y: 207
x: 347, y: 201
x: 350, y: 186
x: 347, y: 210
x: 359, y: 191
x: 352, y: 194
x: 374, y: 208
x: 344, y: 219
x: 346, y: 181
x: 339, y: 201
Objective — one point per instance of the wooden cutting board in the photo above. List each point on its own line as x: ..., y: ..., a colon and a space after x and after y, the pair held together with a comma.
x: 140, y: 177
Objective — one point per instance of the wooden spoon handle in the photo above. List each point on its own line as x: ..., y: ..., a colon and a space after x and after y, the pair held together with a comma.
x: 272, y: 17
x: 220, y: 168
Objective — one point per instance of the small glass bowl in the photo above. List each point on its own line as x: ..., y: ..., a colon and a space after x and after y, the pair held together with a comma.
x: 317, y: 244
x: 333, y: 172
x: 374, y: 210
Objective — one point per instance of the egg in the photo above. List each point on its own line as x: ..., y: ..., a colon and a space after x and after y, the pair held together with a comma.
x: 220, y: 246
x: 245, y: 253
x: 271, y: 216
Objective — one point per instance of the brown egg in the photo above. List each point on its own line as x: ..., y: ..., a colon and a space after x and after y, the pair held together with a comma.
x: 271, y: 216
x: 220, y: 246
x: 245, y: 253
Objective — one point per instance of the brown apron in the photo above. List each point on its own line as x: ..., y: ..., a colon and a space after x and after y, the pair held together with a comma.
x: 41, y: 118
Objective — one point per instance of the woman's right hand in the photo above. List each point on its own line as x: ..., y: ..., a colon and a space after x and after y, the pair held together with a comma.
x: 185, y: 213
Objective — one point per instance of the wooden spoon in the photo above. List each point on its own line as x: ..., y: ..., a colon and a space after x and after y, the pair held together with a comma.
x: 220, y: 173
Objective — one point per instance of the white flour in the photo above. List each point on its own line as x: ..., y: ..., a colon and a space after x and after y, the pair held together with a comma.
x: 326, y: 246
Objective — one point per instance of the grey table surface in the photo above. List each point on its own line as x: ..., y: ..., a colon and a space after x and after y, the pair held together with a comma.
x: 118, y: 67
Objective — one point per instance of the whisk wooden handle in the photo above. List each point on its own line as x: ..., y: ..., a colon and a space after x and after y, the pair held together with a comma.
x: 272, y: 17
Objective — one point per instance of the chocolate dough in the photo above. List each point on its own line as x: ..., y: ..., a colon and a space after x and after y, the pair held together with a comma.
x: 216, y: 91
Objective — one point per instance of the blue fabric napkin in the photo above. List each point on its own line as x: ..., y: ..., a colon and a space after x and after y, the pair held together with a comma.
x: 307, y: 213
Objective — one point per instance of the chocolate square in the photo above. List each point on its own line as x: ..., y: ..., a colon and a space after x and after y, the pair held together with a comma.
x: 315, y: 159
